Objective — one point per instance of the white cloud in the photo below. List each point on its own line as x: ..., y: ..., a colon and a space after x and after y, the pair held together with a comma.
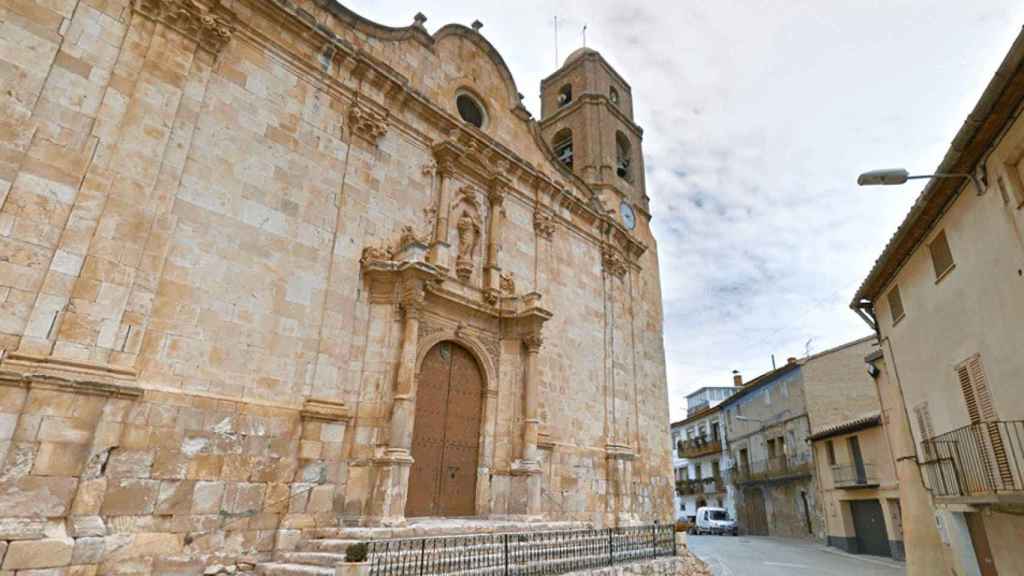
x: 758, y: 116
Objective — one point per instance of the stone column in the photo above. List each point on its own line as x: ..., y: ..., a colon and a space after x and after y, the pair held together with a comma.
x: 393, y: 467
x: 438, y: 254
x: 528, y: 465
x: 496, y: 196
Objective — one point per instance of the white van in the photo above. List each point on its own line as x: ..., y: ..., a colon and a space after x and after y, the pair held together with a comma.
x: 714, y: 521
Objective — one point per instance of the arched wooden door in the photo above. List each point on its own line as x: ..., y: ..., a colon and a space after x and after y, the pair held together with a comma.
x: 446, y: 434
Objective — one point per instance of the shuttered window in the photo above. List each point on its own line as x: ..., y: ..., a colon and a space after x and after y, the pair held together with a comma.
x: 942, y: 258
x: 924, y: 426
x: 1016, y: 186
x: 895, y: 304
x: 980, y: 408
x: 974, y: 387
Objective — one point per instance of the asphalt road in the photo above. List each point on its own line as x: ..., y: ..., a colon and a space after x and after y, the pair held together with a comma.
x: 764, y: 556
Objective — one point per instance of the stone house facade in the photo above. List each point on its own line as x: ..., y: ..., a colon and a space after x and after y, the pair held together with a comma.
x: 767, y: 432
x: 259, y: 256
x: 944, y: 298
x: 856, y: 474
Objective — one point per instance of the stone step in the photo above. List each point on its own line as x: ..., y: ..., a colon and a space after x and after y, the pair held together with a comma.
x: 310, y: 558
x: 288, y: 569
x: 335, y: 545
x: 429, y: 529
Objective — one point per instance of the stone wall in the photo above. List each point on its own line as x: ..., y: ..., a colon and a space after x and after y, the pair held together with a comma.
x: 194, y: 352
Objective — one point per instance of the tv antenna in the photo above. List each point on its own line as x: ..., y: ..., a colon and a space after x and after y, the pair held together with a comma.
x: 584, y: 35
x: 556, y: 41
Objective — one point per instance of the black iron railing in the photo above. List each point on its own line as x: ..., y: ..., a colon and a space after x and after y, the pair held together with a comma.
x: 699, y: 446
x: 854, y: 476
x: 772, y: 468
x: 986, y: 458
x: 520, y: 553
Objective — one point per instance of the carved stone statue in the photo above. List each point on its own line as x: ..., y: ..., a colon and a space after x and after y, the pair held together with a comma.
x: 507, y: 283
x: 469, y: 233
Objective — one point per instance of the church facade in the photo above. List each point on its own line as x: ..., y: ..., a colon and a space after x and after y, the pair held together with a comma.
x: 268, y: 264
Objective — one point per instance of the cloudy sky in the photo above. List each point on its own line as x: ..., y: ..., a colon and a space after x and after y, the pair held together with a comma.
x: 758, y: 116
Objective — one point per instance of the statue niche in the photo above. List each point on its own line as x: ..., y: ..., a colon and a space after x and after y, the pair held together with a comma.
x: 467, y: 227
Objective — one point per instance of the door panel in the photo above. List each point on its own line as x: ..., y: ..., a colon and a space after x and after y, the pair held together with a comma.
x: 446, y: 434
x: 869, y: 525
x: 979, y: 539
x: 428, y: 432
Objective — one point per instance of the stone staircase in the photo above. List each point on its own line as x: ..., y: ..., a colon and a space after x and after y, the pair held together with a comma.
x: 320, y: 550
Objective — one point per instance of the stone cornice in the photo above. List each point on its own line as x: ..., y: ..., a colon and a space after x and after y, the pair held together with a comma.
x: 595, y: 99
x: 207, y: 22
x: 325, y: 411
x: 71, y: 386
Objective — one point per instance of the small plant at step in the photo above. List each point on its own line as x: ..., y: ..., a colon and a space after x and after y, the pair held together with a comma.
x: 356, y: 552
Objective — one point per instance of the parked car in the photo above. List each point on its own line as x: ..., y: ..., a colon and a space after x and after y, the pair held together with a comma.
x: 714, y: 521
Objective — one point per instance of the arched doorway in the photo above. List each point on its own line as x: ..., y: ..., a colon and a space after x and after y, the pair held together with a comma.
x: 446, y: 434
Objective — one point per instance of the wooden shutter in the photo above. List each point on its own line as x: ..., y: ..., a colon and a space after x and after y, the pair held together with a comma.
x: 924, y: 424
x: 963, y: 376
x: 989, y: 437
x: 895, y: 304
x: 942, y: 258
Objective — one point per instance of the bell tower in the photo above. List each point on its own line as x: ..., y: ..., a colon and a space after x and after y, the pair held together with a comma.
x: 587, y: 119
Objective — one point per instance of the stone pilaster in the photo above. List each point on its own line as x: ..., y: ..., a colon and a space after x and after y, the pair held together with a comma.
x: 496, y: 198
x: 391, y: 486
x: 446, y: 154
x: 528, y: 465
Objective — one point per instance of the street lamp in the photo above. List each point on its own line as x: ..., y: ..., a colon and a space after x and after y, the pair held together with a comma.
x: 896, y: 176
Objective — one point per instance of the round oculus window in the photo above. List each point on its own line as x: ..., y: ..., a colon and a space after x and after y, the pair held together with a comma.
x: 469, y: 110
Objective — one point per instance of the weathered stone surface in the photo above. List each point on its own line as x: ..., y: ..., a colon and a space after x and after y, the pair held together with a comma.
x: 207, y: 497
x: 88, y: 550
x: 142, y: 545
x: 130, y: 496
x: 46, y: 553
x: 38, y: 496
x: 79, y: 526
x: 21, y: 528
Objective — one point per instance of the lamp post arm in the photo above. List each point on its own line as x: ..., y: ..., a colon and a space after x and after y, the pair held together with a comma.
x: 972, y: 177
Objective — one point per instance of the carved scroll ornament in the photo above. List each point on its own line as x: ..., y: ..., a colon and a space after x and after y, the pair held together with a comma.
x: 613, y: 262
x: 367, y: 123
x: 209, y: 24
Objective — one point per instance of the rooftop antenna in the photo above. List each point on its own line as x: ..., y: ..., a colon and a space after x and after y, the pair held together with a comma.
x: 584, y: 35
x: 556, y: 41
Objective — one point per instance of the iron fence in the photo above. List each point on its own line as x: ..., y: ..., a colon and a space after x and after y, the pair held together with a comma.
x: 520, y: 553
x: 977, y: 459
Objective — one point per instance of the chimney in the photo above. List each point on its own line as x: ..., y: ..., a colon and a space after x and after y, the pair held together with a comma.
x: 737, y: 379
x: 791, y: 360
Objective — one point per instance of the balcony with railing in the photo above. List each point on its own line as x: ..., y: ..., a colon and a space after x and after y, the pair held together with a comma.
x: 983, y: 460
x: 702, y: 486
x: 775, y: 468
x: 699, y: 446
x: 854, y: 476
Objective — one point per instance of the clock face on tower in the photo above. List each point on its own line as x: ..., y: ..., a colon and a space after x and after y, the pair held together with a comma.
x: 628, y: 216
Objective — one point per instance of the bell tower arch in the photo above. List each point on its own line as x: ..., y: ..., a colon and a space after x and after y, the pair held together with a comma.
x: 587, y: 121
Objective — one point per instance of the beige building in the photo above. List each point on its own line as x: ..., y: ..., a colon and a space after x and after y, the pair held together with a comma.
x: 269, y: 267
x: 855, y: 471
x: 945, y: 296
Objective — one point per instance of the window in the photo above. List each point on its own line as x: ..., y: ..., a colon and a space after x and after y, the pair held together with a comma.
x: 771, y: 448
x: 562, y: 145
x: 896, y: 304
x: 613, y: 95
x: 697, y: 474
x: 942, y: 258
x: 714, y: 432
x: 1013, y: 174
x: 470, y: 110
x: 565, y: 95
x: 974, y: 386
x: 716, y: 470
x: 679, y: 448
x: 623, y: 156
x: 924, y: 428
x: 830, y: 452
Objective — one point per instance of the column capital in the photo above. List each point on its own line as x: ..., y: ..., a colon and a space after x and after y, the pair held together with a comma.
x: 533, y: 342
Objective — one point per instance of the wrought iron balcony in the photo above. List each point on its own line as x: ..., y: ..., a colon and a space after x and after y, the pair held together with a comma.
x: 702, y: 486
x: 984, y: 459
x: 853, y: 476
x: 772, y: 468
x: 699, y: 446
